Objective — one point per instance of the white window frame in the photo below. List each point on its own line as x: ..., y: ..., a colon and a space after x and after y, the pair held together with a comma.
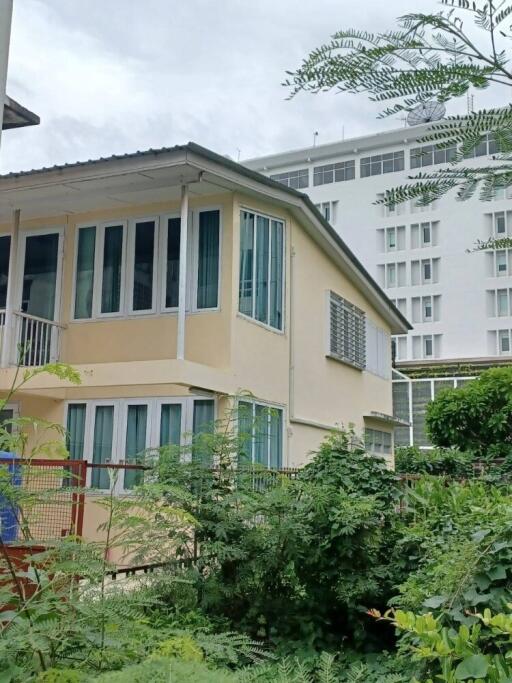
x: 500, y: 335
x: 99, y: 259
x: 268, y: 406
x: 372, y: 451
x: 252, y: 318
x: 425, y: 339
x: 391, y: 232
x: 427, y: 300
x: 504, y: 272
x: 391, y: 283
x: 427, y: 280
x: 160, y: 263
x: 425, y: 243
x: 495, y: 223
x: 130, y: 266
x: 506, y: 291
x: 119, y: 425
x: 59, y: 230
x: 193, y: 263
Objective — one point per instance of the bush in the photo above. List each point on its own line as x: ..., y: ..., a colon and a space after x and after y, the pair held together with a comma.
x: 163, y: 670
x: 438, y: 461
x: 459, y: 542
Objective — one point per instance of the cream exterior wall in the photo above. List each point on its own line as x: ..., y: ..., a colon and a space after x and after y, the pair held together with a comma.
x: 225, y: 352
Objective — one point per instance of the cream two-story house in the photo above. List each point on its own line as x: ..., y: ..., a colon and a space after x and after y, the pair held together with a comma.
x: 174, y: 280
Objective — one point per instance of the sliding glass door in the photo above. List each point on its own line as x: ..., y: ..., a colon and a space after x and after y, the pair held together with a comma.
x: 118, y: 431
x: 40, y: 275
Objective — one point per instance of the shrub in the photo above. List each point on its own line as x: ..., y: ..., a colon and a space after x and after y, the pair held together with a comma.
x: 476, y: 417
x: 439, y: 461
x: 459, y: 541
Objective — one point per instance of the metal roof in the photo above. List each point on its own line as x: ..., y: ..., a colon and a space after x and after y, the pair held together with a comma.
x: 17, y: 116
x: 227, y: 163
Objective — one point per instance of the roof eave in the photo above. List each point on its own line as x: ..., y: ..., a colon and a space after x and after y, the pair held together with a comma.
x: 17, y: 116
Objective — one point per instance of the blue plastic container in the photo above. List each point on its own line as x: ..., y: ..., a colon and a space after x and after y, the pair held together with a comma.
x: 8, y: 510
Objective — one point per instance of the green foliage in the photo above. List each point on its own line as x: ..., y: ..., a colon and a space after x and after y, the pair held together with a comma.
x: 429, y: 56
x: 459, y: 544
x: 60, y: 676
x: 476, y: 417
x: 163, y: 670
x: 439, y: 461
x: 479, y: 653
x: 292, y: 558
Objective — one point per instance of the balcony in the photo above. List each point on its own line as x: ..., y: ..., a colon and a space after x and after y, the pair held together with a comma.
x: 29, y: 340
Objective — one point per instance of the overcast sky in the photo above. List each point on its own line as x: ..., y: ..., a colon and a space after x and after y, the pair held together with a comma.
x: 114, y: 76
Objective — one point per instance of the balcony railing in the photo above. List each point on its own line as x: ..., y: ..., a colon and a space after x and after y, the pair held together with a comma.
x: 33, y: 341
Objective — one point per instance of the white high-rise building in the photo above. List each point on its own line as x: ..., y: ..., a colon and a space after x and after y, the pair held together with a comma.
x: 459, y: 303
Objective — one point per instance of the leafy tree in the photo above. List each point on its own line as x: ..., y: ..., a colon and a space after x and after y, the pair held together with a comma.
x: 476, y: 417
x: 428, y: 56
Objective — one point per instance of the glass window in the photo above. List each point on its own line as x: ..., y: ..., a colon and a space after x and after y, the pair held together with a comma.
x: 261, y: 269
x: 5, y: 251
x: 382, y: 163
x: 208, y: 259
x: 504, y: 341
x: 170, y: 424
x: 391, y: 235
x: 75, y: 434
x: 203, y: 423
x: 276, y: 275
x: 428, y: 347
x: 260, y: 428
x: 6, y: 414
x: 136, y: 425
x: 102, y: 445
x: 502, y: 302
x: 339, y: 172
x: 143, y: 266
x: 427, y: 308
x: 246, y: 263
x: 112, y: 269
x: 391, y: 271
x: 84, y: 284
x: 40, y: 275
x: 501, y: 262
x: 296, y: 179
x: 427, y: 271
x: 172, y: 279
x: 377, y: 442
x: 426, y: 234
x: 499, y: 223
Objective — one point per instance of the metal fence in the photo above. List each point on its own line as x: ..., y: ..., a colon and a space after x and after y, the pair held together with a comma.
x: 41, y: 500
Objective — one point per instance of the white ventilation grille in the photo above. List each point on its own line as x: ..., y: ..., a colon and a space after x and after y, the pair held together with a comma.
x: 347, y: 338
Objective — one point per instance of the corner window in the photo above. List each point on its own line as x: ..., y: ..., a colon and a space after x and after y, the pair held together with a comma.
x: 261, y: 276
x: 260, y: 430
x: 133, y: 267
x: 347, y: 332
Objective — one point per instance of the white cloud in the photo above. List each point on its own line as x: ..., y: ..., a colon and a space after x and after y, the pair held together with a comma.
x: 119, y: 75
